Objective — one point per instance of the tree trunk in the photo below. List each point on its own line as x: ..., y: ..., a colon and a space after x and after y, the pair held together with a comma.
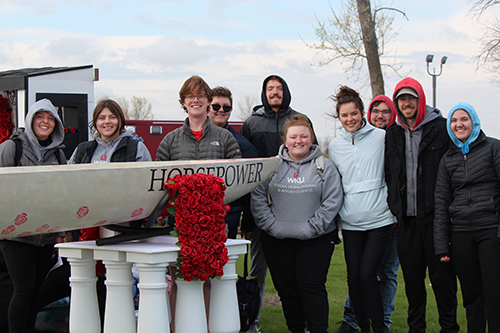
x: 371, y: 47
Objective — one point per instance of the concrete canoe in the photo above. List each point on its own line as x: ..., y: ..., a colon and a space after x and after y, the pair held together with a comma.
x: 46, y: 199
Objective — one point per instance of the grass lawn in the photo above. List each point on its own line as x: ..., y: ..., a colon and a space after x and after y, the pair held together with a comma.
x: 272, y: 319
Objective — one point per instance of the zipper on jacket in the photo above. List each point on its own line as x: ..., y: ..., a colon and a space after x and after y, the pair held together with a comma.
x: 466, y: 170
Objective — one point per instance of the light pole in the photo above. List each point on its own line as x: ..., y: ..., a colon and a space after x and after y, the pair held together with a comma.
x: 429, y: 59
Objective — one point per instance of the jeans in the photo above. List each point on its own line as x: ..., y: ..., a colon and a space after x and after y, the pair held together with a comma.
x: 388, y: 276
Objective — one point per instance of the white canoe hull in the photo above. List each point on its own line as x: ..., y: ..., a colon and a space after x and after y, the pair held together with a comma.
x: 45, y: 199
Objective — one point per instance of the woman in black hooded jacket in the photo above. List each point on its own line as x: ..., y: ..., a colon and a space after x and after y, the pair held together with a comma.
x: 466, y: 225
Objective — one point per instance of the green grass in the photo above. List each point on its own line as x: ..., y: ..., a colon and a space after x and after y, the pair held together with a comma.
x: 273, y: 321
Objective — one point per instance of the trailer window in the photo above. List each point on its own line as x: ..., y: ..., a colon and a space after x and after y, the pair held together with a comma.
x: 131, y: 128
x: 156, y: 130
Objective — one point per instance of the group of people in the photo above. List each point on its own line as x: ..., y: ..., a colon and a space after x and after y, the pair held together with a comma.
x: 402, y: 185
x: 405, y: 186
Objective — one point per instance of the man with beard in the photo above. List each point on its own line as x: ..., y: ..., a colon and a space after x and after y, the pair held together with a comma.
x: 264, y: 129
x: 414, y: 146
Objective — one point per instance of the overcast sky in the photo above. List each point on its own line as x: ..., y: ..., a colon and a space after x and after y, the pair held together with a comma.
x: 148, y: 48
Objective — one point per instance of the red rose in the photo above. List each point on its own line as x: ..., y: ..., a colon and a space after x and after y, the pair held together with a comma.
x: 42, y: 228
x: 137, y: 212
x: 21, y: 218
x: 8, y: 230
x: 82, y: 212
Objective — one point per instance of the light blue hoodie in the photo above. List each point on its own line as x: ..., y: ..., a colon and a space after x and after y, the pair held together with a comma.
x: 476, y: 126
x: 359, y: 157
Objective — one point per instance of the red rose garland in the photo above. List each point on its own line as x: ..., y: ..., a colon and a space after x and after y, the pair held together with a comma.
x: 5, y: 123
x: 198, y: 206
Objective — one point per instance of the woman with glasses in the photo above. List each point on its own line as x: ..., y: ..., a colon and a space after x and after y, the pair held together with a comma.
x: 197, y: 139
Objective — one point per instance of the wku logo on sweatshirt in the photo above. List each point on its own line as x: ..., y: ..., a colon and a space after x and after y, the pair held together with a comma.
x: 296, y: 178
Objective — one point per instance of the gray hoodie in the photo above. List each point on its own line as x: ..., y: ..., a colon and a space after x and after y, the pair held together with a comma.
x: 35, y: 154
x: 413, y: 139
x: 304, y: 205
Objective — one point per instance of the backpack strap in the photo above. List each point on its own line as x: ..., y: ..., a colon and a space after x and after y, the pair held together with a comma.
x: 19, y: 150
x: 131, y: 149
x: 269, y: 201
x: 320, y: 166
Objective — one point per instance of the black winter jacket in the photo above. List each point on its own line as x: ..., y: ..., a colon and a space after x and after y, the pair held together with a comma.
x: 467, y: 191
x: 433, y: 145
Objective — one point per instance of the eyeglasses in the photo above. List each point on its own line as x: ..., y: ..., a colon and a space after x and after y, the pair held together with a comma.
x: 384, y: 112
x: 226, y: 108
x: 200, y: 97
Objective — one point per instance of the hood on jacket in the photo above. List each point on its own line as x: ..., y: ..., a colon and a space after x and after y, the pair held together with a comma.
x: 421, y: 104
x: 390, y: 104
x: 314, y: 152
x: 57, y: 135
x: 287, y: 97
x: 476, y: 126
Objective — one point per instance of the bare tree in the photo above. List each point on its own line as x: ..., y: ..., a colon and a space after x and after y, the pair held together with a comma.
x: 245, y: 107
x: 137, y: 108
x: 480, y: 6
x: 489, y: 56
x: 357, y: 34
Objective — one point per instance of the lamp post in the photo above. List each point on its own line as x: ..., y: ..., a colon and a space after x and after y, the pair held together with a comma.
x: 429, y: 59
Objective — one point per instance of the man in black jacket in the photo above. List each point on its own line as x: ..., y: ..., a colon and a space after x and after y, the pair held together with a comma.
x: 264, y: 129
x: 414, y: 147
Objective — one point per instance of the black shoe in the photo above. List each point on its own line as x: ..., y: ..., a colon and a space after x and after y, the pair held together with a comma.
x: 346, y: 328
x: 386, y: 329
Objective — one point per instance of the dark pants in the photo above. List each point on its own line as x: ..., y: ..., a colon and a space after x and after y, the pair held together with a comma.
x: 27, y: 265
x: 363, y: 252
x: 299, y: 269
x: 416, y: 254
x: 232, y: 219
x: 476, y: 258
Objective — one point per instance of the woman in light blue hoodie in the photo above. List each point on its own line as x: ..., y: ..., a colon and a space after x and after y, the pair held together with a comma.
x: 296, y: 211
x: 365, y: 218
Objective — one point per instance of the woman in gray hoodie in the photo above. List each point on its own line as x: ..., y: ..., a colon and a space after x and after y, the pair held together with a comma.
x: 28, y: 258
x: 296, y: 210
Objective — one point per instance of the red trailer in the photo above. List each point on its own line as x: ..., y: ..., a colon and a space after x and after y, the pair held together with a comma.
x: 151, y: 132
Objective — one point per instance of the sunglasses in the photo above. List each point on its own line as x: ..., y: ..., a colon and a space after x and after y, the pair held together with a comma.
x: 226, y: 108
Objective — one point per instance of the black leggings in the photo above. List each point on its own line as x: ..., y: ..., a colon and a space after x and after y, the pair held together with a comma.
x: 27, y: 266
x: 363, y: 252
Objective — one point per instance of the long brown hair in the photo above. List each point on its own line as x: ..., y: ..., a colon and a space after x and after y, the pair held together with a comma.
x: 114, y: 108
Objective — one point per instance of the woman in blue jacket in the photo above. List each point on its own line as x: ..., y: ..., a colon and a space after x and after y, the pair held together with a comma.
x: 365, y: 218
x: 466, y: 222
